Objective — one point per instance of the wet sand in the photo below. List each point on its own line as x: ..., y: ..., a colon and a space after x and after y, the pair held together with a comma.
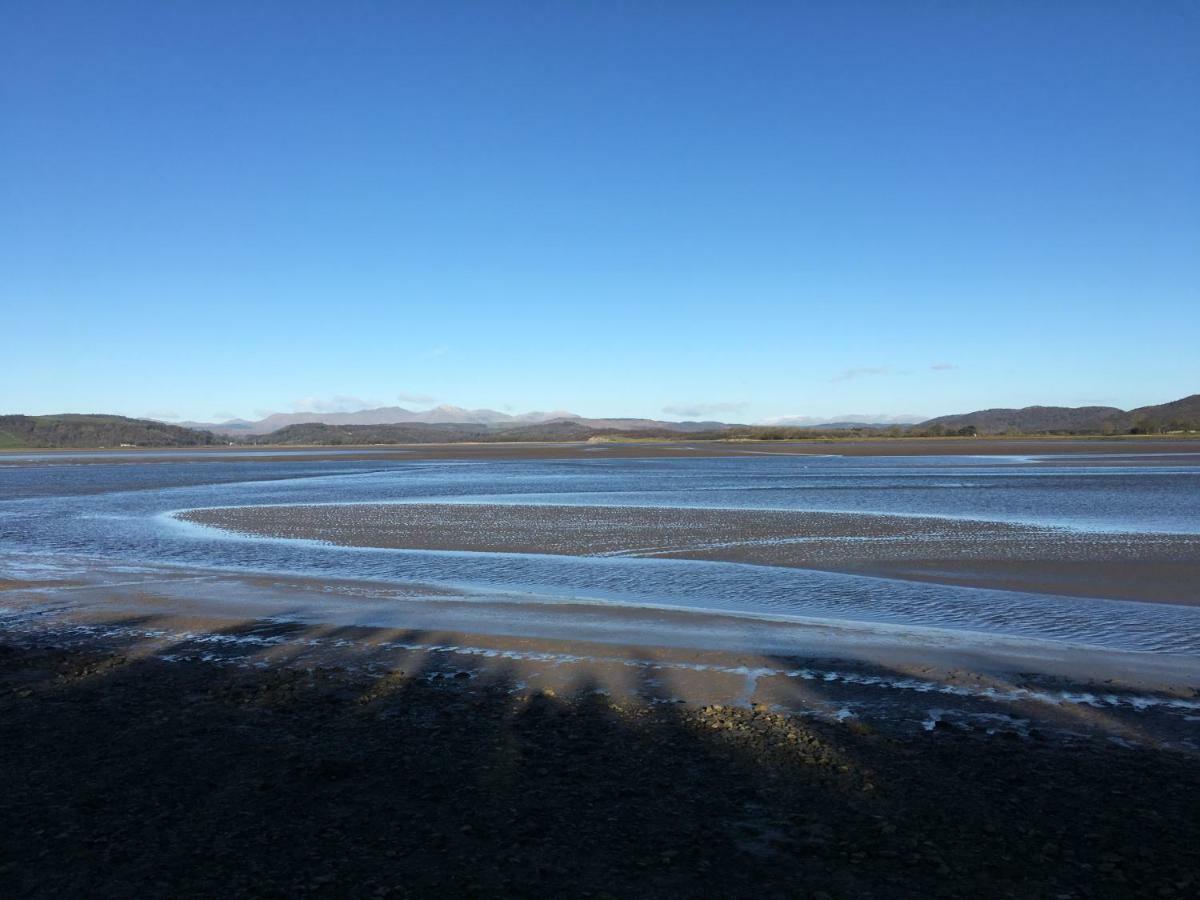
x: 171, y: 732
x: 696, y: 656
x: 1162, y: 568
x: 196, y: 773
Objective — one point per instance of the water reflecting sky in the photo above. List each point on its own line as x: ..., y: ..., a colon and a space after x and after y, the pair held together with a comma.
x: 117, y: 511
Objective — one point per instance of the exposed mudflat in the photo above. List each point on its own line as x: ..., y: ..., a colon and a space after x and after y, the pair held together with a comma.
x: 188, y: 712
x: 174, y: 733
x: 126, y: 775
x: 1161, y: 568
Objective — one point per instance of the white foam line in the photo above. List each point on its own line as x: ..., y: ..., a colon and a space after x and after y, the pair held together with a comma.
x: 1139, y: 703
x: 108, y: 584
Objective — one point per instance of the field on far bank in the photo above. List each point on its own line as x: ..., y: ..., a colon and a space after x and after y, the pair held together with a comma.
x: 1162, y: 446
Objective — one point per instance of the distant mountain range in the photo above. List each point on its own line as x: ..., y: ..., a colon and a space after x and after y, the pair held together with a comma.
x: 451, y: 424
x: 1028, y: 420
x: 439, y: 415
x: 559, y: 430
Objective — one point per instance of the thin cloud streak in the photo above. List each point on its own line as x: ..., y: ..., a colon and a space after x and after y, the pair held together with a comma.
x: 862, y: 372
x: 697, y: 410
x: 869, y: 418
x: 338, y: 404
x: 407, y: 397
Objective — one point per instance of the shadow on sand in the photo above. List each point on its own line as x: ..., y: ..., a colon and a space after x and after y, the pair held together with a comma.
x: 127, y: 775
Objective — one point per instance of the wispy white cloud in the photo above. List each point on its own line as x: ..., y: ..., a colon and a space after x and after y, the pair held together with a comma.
x: 339, y: 403
x: 943, y: 367
x: 862, y: 372
x: 698, y: 410
x: 871, y: 418
x: 407, y: 397
x: 435, y: 352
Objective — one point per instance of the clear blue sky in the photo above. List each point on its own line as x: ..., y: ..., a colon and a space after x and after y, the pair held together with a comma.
x: 728, y: 210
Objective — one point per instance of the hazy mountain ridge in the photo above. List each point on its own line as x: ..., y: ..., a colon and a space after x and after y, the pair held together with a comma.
x: 439, y: 415
x: 1182, y: 414
x: 384, y: 415
x: 559, y: 430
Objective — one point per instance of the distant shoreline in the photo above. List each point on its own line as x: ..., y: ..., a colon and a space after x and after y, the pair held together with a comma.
x: 1030, y: 445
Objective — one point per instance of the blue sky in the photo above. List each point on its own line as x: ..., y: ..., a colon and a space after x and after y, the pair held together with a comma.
x: 717, y: 210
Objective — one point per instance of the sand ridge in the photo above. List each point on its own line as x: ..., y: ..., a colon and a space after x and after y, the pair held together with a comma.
x: 1145, y: 567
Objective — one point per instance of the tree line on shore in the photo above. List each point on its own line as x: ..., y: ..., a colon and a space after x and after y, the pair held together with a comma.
x: 93, y: 431
x: 89, y: 431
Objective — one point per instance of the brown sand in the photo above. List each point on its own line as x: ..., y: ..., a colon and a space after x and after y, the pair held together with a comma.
x: 660, y: 655
x: 1152, y: 567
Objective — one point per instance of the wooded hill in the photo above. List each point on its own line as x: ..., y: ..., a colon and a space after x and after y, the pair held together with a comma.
x: 1179, y: 415
x: 91, y: 431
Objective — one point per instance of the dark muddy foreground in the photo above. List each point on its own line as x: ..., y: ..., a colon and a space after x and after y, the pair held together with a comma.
x: 147, y: 778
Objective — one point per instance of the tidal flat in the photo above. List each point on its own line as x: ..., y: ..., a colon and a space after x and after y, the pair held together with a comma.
x: 606, y: 671
x: 132, y: 775
x: 1137, y: 567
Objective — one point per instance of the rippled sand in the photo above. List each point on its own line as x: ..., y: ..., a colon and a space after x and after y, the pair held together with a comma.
x: 1147, y: 567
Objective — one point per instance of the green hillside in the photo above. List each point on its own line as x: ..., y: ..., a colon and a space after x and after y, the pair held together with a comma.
x: 1177, y: 416
x: 83, y: 431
